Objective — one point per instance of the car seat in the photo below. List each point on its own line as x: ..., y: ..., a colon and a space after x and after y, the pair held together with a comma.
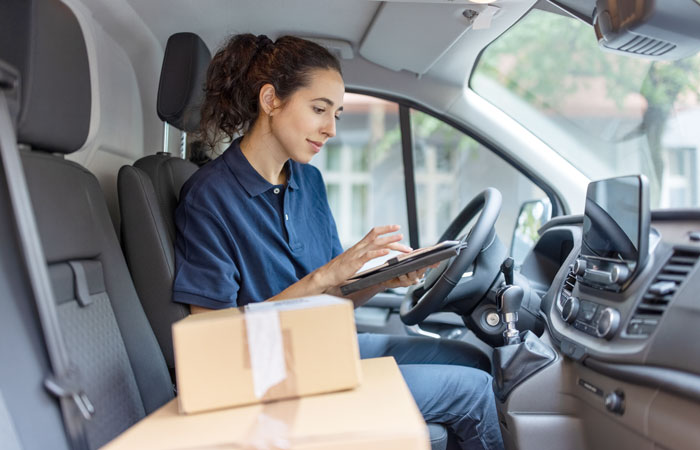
x: 150, y: 189
x: 110, y: 345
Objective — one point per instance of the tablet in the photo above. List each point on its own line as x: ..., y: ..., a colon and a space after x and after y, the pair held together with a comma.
x: 402, y: 264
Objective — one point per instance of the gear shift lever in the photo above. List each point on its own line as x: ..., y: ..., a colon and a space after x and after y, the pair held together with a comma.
x: 507, y: 269
x: 522, y: 355
x: 510, y: 298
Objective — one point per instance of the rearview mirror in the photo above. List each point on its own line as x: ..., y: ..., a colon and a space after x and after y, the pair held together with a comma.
x: 533, y: 214
x: 648, y: 28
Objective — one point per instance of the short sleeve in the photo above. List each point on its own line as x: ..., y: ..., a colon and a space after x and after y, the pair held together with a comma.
x: 206, y: 274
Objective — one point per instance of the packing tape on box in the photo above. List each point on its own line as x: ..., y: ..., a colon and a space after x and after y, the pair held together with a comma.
x: 266, y: 348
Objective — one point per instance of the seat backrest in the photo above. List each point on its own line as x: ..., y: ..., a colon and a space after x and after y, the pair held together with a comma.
x: 107, y: 335
x: 150, y: 189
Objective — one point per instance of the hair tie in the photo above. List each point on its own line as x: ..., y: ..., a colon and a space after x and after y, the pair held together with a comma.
x: 262, y: 43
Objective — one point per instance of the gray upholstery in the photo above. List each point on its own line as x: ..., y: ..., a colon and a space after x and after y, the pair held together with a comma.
x: 130, y: 378
x: 56, y: 98
x: 149, y: 191
x: 168, y: 174
x: 182, y: 78
x: 148, y: 235
x: 36, y: 417
x: 109, y: 340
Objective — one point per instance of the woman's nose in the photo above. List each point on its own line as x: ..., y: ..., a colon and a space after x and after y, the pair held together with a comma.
x: 329, y: 128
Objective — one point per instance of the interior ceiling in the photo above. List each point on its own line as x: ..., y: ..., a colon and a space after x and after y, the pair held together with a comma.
x: 347, y: 20
x: 214, y: 20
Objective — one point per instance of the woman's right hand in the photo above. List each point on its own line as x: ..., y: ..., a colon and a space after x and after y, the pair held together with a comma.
x: 374, y: 245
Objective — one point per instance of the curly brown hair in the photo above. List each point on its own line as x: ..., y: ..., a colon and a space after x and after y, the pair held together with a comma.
x: 242, y: 67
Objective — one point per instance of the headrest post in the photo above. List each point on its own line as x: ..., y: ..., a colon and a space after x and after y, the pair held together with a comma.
x: 166, y: 129
x: 183, y: 144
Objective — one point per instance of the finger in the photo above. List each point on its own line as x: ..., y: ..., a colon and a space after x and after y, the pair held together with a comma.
x: 373, y: 254
x: 404, y: 280
x: 386, y: 240
x: 421, y: 272
x: 414, y: 277
x: 400, y: 247
x: 378, y: 231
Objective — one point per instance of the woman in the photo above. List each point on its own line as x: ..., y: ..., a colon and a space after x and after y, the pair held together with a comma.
x: 255, y: 225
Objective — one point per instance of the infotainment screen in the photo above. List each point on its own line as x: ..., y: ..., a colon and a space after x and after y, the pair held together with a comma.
x: 616, y: 223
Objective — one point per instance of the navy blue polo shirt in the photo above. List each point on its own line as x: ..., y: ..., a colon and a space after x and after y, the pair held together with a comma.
x: 241, y: 239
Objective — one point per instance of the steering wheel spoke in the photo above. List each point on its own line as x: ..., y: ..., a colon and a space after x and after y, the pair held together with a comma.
x: 441, y: 281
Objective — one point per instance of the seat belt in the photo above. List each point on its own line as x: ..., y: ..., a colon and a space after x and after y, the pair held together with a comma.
x: 75, y: 405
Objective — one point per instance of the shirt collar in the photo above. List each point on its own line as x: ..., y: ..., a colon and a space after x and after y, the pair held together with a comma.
x: 250, y: 179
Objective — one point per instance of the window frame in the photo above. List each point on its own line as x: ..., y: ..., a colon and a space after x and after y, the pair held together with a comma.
x: 405, y: 105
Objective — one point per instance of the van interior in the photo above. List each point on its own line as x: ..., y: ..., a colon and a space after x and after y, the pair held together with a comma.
x: 557, y: 139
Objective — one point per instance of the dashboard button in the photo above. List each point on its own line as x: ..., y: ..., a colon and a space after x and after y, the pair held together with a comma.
x: 569, y: 310
x: 619, y: 274
x: 615, y: 402
x: 588, y: 310
x: 607, y: 323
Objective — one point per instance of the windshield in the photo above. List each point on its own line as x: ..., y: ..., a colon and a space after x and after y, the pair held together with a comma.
x: 607, y: 114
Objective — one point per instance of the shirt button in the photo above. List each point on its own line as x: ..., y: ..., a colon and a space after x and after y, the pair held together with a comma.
x: 286, y: 217
x: 276, y: 190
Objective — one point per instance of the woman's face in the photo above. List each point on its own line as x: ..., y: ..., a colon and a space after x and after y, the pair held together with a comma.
x: 307, y: 119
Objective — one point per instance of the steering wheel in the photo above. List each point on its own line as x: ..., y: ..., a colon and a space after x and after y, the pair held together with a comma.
x: 439, y: 282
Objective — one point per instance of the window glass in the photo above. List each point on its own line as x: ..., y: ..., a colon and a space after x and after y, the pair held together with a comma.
x: 608, y: 114
x: 452, y: 168
x: 363, y: 168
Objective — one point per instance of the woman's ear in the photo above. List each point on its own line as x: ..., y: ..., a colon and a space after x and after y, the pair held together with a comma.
x: 268, y: 99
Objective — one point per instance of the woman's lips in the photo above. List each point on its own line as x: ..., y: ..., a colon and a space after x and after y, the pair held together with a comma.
x: 315, y: 145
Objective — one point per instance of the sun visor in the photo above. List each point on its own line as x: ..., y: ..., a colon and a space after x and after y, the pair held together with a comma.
x: 414, y: 36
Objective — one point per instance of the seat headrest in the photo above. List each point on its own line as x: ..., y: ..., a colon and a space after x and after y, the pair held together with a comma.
x: 10, y: 85
x: 44, y: 41
x: 182, y: 79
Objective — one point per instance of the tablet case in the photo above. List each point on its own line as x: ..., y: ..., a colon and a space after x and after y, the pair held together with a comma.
x: 394, y: 267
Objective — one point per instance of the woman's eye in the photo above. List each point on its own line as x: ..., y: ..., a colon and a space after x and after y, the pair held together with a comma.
x: 337, y: 118
x: 318, y: 110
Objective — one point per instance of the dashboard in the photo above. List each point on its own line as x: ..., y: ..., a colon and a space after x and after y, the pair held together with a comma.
x: 648, y: 332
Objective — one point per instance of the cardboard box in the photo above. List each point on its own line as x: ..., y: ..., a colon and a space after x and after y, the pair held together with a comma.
x: 265, y: 351
x: 380, y: 414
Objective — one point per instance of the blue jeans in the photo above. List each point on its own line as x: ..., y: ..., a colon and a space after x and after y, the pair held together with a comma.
x: 448, y: 382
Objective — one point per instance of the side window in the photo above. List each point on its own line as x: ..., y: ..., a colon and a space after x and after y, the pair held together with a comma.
x: 363, y: 168
x: 451, y: 168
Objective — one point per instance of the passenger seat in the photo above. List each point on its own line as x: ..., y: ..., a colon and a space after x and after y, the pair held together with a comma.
x: 150, y: 189
x: 108, y: 339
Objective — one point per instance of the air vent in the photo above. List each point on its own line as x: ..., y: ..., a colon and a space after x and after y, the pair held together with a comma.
x: 568, y: 288
x: 661, y: 291
x: 642, y: 45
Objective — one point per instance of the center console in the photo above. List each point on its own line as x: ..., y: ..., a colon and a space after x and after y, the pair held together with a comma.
x: 614, y: 250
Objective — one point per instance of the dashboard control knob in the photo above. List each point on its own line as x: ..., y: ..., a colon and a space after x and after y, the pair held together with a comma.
x: 580, y: 267
x: 619, y: 274
x: 569, y: 309
x: 615, y: 402
x: 608, y: 323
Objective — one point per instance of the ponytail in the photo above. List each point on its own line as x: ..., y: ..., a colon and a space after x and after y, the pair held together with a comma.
x: 242, y: 67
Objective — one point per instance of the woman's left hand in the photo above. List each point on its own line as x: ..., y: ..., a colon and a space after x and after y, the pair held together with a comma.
x: 408, y: 279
